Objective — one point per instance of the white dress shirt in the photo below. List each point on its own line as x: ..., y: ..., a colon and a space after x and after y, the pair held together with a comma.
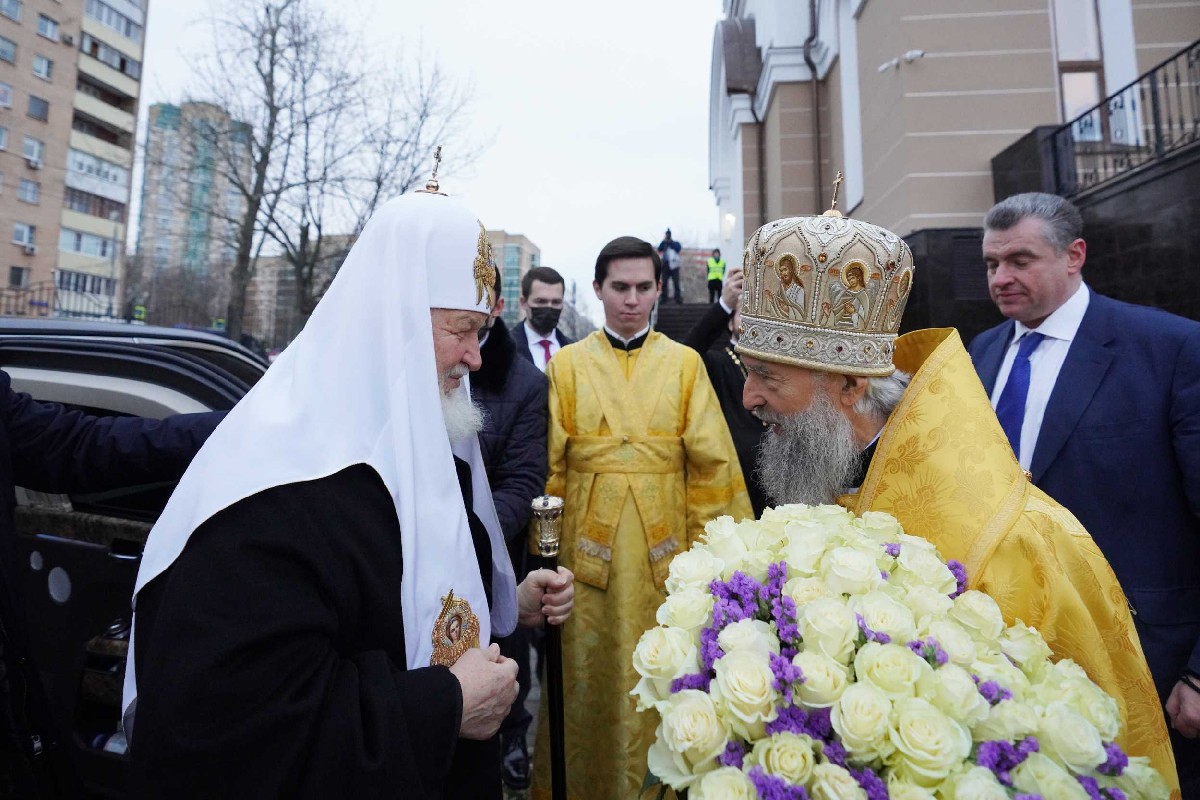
x: 535, y: 345
x: 1044, y: 365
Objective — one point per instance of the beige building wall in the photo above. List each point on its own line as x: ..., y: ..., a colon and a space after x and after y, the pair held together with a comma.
x: 1161, y: 29
x: 931, y: 125
x: 789, y: 152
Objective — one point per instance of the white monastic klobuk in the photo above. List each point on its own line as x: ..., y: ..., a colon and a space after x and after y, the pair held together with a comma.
x: 360, y: 385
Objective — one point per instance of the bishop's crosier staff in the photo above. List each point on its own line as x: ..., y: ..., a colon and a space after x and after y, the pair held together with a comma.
x: 548, y: 512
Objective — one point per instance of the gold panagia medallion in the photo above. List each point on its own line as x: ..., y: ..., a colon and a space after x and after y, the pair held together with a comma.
x: 455, y: 632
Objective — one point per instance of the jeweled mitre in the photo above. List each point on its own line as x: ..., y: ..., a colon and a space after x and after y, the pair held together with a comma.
x: 825, y: 293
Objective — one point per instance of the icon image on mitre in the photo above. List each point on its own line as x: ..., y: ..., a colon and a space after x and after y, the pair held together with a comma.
x: 455, y: 632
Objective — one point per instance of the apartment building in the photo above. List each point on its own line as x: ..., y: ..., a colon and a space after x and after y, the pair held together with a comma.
x: 911, y: 99
x: 70, y: 75
x: 515, y: 255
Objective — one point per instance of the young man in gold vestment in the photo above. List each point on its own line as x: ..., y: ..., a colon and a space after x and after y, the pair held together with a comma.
x: 902, y: 425
x: 640, y: 452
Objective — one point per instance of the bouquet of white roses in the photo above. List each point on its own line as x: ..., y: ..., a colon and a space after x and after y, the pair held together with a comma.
x: 815, y: 654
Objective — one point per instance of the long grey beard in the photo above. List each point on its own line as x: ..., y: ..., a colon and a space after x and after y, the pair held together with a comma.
x: 811, y: 458
x: 463, y: 417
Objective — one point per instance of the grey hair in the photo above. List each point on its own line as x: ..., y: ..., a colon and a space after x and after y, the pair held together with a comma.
x: 883, y: 394
x: 1063, y: 222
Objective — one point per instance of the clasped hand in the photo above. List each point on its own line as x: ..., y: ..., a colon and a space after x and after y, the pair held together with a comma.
x: 545, y: 594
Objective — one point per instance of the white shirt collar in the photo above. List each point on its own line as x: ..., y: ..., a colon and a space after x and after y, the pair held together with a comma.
x: 536, y: 336
x: 1064, y: 322
x: 621, y: 338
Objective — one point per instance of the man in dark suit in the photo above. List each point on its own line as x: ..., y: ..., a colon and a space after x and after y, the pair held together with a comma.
x: 513, y: 441
x: 728, y: 376
x: 49, y: 448
x: 538, y: 338
x: 1101, y: 401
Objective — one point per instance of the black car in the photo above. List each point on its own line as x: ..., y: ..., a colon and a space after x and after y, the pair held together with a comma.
x: 80, y: 553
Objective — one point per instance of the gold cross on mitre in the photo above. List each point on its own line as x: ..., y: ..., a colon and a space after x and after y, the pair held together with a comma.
x: 431, y: 185
x: 837, y: 184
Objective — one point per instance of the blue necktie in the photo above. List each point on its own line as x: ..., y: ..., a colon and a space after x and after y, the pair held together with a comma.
x: 1010, y: 409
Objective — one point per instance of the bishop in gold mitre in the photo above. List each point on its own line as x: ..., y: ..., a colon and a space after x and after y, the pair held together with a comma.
x: 901, y: 424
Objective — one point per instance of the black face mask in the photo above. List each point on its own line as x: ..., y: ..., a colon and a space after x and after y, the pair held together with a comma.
x: 544, y: 319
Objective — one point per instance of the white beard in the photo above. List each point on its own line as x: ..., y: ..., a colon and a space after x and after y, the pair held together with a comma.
x: 811, y: 457
x: 463, y: 417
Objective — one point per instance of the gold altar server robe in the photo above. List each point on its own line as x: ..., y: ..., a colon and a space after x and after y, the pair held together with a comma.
x: 944, y: 468
x: 641, y: 454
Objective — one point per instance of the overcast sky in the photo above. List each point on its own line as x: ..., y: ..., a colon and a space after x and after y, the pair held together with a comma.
x: 597, y: 114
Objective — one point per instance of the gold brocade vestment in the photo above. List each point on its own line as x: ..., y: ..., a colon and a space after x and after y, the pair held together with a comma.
x: 945, y: 470
x: 640, y: 452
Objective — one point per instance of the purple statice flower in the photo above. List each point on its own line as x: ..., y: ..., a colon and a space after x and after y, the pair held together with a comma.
x: 991, y: 691
x: 782, y: 608
x: 893, y: 549
x: 871, y: 783
x: 1117, y: 760
x: 694, y: 680
x: 1027, y: 797
x: 1002, y: 757
x: 820, y: 726
x: 744, y: 591
x: 872, y: 636
x: 883, y: 573
x: 1090, y: 786
x: 772, y: 787
x: 791, y: 719
x: 960, y: 575
x: 1113, y: 793
x: 835, y: 753
x: 710, y: 651
x: 930, y: 650
x: 735, y: 751
x: 786, y: 674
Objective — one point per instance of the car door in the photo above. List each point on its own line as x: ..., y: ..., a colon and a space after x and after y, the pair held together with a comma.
x: 80, y: 553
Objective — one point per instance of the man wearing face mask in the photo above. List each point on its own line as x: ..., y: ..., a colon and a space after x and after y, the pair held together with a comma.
x: 539, y: 338
x: 513, y: 443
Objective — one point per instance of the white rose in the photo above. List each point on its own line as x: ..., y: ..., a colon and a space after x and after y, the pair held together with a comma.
x: 804, y: 590
x: 688, y: 740
x: 832, y: 515
x: 829, y: 627
x: 744, y: 688
x: 891, y: 668
x: 884, y: 614
x: 1038, y: 774
x: 953, y: 638
x: 1071, y: 739
x: 929, y: 745
x: 1094, y: 705
x: 806, y: 545
x: 926, y: 603
x: 880, y: 526
x: 756, y: 562
x: 726, y: 783
x: 996, y: 667
x: 977, y: 783
x: 788, y: 755
x: 831, y: 782
x: 750, y: 635
x: 824, y: 678
x: 979, y: 614
x: 1140, y: 781
x: 953, y: 692
x: 722, y: 539
x: 1012, y: 720
x: 1026, y: 646
x: 693, y: 569
x: 661, y: 655
x: 860, y: 717
x: 920, y: 567
x: 900, y: 789
x: 756, y: 536
x: 908, y: 542
x: 689, y: 610
x: 849, y: 570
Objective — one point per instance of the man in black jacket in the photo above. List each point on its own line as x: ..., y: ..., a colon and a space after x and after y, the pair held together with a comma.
x: 728, y: 376
x: 513, y: 440
x: 48, y: 448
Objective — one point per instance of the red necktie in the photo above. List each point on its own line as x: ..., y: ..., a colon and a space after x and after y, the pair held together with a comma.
x: 545, y: 343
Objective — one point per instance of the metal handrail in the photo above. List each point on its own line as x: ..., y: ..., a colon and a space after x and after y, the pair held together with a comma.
x: 1146, y: 120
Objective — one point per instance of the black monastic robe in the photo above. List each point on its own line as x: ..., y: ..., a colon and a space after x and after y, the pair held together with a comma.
x: 271, y: 658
